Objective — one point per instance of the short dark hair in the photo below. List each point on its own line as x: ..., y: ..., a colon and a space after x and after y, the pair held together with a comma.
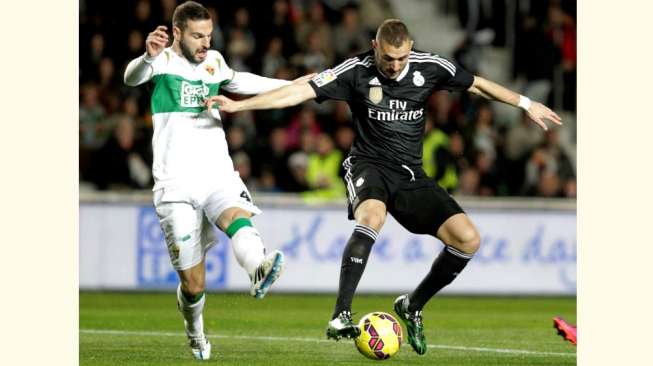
x: 394, y: 32
x: 190, y: 10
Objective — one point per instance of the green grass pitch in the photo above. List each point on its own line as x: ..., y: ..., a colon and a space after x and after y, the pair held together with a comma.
x: 288, y: 329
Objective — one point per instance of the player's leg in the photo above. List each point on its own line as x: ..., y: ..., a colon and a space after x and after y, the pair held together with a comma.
x: 188, y: 236
x: 231, y: 209
x: 461, y: 240
x: 370, y: 216
x: 190, y: 302
x: 249, y: 250
x: 366, y: 193
x: 425, y: 208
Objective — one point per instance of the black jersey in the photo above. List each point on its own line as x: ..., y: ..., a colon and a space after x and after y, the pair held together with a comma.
x: 389, y: 114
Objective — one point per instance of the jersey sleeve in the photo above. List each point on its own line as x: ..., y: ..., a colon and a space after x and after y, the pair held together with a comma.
x: 449, y: 75
x: 335, y: 83
x: 160, y: 64
x: 143, y: 69
x: 225, y: 72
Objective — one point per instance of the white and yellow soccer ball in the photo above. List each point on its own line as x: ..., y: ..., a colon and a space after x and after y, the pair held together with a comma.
x: 381, y: 336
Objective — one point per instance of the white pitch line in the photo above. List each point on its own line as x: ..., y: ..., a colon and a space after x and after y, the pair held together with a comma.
x: 300, y: 339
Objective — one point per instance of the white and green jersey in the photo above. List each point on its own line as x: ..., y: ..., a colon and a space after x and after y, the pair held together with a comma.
x: 189, y: 143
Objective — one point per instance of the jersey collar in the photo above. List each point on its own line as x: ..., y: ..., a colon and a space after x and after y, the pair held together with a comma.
x: 401, y: 74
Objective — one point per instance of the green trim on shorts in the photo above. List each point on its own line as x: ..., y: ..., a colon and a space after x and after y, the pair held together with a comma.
x: 236, y: 225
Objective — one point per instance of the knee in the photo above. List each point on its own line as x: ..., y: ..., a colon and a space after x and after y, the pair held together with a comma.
x: 374, y: 218
x: 192, y: 287
x: 469, y: 240
x: 230, y: 215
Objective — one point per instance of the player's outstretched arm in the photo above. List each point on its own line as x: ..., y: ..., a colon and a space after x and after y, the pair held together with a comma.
x: 538, y: 112
x: 286, y: 96
x: 139, y: 69
x: 247, y: 83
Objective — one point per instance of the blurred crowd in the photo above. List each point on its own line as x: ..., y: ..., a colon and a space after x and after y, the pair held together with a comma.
x: 300, y: 149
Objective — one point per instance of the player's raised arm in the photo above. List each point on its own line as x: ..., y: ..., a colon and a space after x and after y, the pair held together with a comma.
x: 140, y: 69
x: 536, y: 111
x: 285, y: 96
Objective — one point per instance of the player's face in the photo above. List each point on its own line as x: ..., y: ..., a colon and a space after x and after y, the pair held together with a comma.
x: 195, y: 39
x: 389, y: 59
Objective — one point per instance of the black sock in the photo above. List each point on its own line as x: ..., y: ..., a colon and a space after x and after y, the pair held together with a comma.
x: 354, y: 259
x: 446, y: 267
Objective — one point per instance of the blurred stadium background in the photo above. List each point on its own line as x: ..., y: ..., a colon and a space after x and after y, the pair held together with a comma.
x: 517, y: 182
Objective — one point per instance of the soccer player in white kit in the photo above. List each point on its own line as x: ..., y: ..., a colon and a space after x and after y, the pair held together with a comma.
x: 195, y: 181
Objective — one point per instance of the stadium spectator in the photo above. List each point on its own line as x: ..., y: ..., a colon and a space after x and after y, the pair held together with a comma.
x: 314, y: 23
x: 92, y: 129
x: 484, y: 136
x: 373, y: 12
x: 344, y: 137
x: 322, y: 171
x: 279, y: 23
x: 273, y: 58
x: 143, y: 19
x: 304, y: 121
x: 274, y: 157
x: 243, y: 165
x: 488, y: 175
x: 298, y: 164
x: 119, y: 164
x: 168, y: 8
x: 241, y: 42
x: 350, y: 33
x: 538, y: 163
x: 217, y: 36
x: 469, y: 182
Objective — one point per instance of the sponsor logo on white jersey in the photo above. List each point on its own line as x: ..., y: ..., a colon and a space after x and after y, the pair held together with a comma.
x: 193, y: 95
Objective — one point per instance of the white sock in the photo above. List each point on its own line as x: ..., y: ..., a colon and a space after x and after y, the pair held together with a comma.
x: 192, y: 313
x: 248, y: 248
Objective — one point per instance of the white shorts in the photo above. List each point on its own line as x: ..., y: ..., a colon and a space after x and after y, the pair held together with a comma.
x: 187, y: 217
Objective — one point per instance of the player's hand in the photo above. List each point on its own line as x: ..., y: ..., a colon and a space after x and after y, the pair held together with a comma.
x: 156, y: 41
x: 304, y: 79
x: 538, y: 112
x: 225, y: 104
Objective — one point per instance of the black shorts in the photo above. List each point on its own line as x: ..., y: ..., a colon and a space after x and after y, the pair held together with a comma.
x: 416, y: 201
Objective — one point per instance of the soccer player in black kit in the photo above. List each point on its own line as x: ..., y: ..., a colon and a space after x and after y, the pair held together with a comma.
x: 386, y: 89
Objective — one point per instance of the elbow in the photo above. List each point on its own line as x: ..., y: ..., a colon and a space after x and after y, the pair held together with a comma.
x: 474, y: 90
x: 128, y: 80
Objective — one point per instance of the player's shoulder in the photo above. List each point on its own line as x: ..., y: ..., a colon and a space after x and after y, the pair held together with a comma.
x: 361, y: 60
x: 214, y: 56
x: 429, y: 61
x: 215, y: 60
x: 164, y: 58
x: 213, y: 53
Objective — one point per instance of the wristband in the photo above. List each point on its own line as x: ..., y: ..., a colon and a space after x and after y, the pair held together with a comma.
x: 524, y: 103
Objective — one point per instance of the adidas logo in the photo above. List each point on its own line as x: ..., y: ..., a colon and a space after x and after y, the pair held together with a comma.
x: 375, y: 81
x: 259, y: 273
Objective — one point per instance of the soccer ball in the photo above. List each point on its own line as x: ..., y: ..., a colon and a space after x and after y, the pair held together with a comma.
x: 380, y: 337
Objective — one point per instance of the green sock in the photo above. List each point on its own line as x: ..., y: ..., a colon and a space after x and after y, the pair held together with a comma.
x: 190, y: 298
x: 236, y: 225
